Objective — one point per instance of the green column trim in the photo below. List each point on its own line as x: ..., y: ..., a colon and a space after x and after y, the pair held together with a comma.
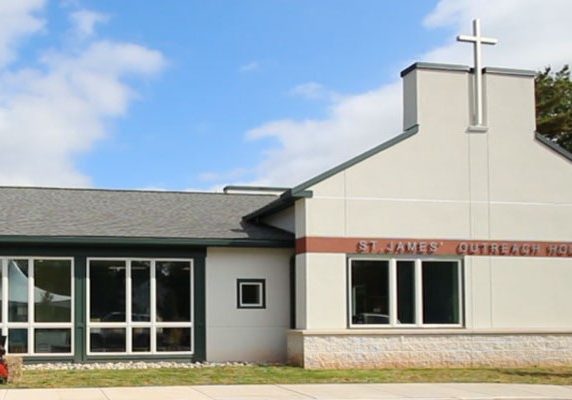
x: 199, y: 323
x: 80, y: 323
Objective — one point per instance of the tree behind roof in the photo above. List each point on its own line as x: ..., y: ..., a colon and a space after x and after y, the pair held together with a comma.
x: 553, y: 92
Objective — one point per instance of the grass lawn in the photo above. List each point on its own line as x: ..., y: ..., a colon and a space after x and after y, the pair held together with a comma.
x: 284, y: 375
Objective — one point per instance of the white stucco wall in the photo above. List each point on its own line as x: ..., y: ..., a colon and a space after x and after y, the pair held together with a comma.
x: 282, y: 219
x: 447, y: 183
x: 256, y: 335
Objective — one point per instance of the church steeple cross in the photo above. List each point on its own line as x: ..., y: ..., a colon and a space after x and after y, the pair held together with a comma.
x: 477, y: 41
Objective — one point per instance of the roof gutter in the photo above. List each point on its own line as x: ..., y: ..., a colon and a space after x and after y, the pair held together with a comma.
x: 143, y: 241
x: 286, y: 200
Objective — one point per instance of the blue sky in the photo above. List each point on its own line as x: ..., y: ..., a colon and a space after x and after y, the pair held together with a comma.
x: 197, y: 94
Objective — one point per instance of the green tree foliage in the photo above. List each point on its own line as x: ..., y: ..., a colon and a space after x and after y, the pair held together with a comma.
x: 554, y: 105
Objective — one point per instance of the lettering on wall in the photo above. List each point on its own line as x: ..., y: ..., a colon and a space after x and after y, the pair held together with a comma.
x: 398, y: 247
x: 468, y: 248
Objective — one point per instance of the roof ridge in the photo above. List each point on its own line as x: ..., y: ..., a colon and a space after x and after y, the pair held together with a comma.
x: 129, y: 190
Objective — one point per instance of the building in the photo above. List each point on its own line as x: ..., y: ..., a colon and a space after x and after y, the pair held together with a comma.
x: 447, y: 245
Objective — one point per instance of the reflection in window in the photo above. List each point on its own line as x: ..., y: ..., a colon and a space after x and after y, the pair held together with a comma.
x: 406, y: 292
x: 173, y: 339
x: 173, y: 291
x: 52, y: 291
x: 141, y: 339
x: 440, y: 292
x: 140, y: 291
x: 107, y: 340
x: 107, y: 291
x: 146, y: 322
x: 17, y: 341
x: 18, y: 290
x: 251, y: 293
x: 370, y: 292
x: 40, y: 303
x: 52, y: 340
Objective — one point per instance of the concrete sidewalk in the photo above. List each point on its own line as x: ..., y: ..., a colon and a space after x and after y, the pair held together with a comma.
x: 299, y: 392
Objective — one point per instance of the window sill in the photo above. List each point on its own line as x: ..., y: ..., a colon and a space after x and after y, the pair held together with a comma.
x: 428, y: 331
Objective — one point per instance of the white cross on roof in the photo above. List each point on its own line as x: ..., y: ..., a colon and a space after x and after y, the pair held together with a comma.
x: 477, y: 41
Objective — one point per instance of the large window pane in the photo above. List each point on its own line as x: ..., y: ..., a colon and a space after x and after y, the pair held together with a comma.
x: 52, y: 291
x: 370, y: 292
x: 18, y: 290
x: 107, y: 340
x: 52, y: 340
x: 405, y: 292
x: 17, y: 341
x: 141, y: 339
x: 173, y: 291
x: 140, y: 291
x: 440, y: 292
x: 107, y: 291
x: 173, y: 339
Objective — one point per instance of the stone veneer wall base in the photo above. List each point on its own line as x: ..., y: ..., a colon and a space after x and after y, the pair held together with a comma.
x: 322, y: 350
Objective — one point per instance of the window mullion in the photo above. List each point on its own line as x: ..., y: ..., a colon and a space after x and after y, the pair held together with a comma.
x: 393, y: 292
x: 128, y: 287
x: 4, y: 296
x: 153, y: 307
x: 31, y: 308
x: 418, y: 293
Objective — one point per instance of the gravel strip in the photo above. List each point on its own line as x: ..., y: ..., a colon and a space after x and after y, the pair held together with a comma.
x: 128, y: 365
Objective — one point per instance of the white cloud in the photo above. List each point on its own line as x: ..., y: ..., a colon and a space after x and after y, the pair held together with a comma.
x: 84, y: 21
x: 531, y: 33
x: 308, y: 147
x: 18, y: 19
x: 50, y: 114
x: 314, y: 91
x: 250, y: 67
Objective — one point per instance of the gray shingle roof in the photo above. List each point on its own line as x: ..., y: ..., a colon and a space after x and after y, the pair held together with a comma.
x: 133, y: 214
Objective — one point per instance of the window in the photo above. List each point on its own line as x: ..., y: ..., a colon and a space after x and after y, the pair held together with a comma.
x: 401, y: 292
x: 251, y: 293
x: 139, y: 306
x: 36, y: 305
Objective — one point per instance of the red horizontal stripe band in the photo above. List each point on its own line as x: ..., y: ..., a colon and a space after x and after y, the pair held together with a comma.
x: 440, y: 247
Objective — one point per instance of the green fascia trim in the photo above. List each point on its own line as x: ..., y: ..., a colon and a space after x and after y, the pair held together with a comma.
x: 80, y: 312
x: 199, y: 317
x: 255, y: 188
x: 144, y: 241
x: 435, y: 66
x: 301, y: 191
x: 553, y: 146
x: 509, y: 71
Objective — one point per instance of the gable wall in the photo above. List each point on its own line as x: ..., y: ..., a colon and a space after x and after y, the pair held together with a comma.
x: 447, y: 183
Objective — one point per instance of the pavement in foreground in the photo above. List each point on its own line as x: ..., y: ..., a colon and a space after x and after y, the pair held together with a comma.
x: 473, y: 391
